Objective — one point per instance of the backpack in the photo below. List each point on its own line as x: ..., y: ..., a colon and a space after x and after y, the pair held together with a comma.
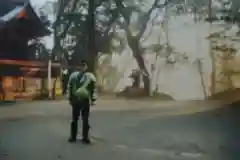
x: 77, y: 84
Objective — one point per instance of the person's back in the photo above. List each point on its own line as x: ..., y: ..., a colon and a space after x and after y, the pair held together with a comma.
x: 81, y: 94
x: 86, y: 89
x: 71, y: 88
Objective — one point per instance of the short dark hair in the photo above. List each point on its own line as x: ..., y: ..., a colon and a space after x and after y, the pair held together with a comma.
x: 83, y: 62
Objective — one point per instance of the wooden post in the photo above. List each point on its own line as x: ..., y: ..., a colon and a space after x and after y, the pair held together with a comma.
x: 213, y: 75
x: 49, y: 78
x: 92, y: 59
x: 210, y: 11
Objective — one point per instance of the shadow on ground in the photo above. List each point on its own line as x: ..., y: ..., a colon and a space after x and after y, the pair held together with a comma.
x: 229, y: 95
x: 140, y: 134
x: 214, y: 133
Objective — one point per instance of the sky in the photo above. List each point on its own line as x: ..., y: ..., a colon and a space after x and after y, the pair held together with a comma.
x: 39, y: 2
x: 49, y: 39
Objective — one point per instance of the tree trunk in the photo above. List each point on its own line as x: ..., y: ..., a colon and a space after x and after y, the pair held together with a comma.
x: 146, y: 82
x: 42, y: 86
x: 54, y: 89
x: 92, y: 61
x: 64, y: 82
x: 24, y: 85
x: 137, y: 54
x: 136, y: 81
x: 201, y: 74
x: 2, y: 91
x: 92, y: 58
x: 133, y: 43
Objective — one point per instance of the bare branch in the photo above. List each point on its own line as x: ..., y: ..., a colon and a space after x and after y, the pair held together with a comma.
x: 60, y: 10
x: 121, y: 8
x: 111, y: 23
x: 151, y: 30
x: 68, y: 25
x: 146, y: 17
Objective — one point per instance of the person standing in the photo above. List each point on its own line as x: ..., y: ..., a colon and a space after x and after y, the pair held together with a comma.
x: 81, y: 95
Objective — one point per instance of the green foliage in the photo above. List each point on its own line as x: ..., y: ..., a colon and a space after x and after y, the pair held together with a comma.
x: 109, y: 14
x: 73, y: 20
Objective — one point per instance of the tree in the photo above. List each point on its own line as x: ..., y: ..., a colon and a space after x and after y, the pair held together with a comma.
x: 86, y: 28
x: 134, y: 41
x: 230, y: 10
x: 77, y: 29
x: 78, y: 26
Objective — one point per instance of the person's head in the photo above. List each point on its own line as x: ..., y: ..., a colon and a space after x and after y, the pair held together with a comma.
x: 82, y: 66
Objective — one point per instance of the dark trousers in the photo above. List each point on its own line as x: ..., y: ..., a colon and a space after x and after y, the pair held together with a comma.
x: 83, y: 109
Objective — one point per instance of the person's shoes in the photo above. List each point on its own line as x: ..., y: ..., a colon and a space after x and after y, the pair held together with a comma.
x: 86, y: 140
x: 72, y: 140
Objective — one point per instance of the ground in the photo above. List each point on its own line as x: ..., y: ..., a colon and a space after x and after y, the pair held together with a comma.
x: 143, y: 130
